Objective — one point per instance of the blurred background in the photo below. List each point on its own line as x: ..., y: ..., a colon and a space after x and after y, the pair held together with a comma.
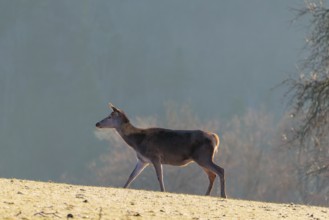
x: 178, y: 64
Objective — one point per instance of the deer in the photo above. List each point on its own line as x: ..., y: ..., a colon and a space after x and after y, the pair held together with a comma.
x: 160, y: 146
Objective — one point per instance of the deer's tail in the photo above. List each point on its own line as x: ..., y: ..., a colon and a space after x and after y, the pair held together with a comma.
x: 216, y: 141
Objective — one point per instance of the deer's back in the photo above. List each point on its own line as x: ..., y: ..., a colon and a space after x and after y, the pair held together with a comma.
x: 174, y: 147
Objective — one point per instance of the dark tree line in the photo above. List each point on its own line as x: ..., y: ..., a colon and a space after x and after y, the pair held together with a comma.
x: 309, y: 92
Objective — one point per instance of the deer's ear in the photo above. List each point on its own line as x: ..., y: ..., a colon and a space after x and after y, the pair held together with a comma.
x: 113, y: 108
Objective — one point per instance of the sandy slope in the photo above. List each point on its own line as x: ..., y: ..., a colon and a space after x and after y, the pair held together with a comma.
x: 21, y: 199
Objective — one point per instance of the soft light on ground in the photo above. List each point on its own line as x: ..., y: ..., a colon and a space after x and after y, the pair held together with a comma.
x: 22, y: 199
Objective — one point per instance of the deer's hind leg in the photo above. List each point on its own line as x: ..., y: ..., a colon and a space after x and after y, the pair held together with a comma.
x: 211, y: 177
x: 204, y: 157
x: 220, y: 172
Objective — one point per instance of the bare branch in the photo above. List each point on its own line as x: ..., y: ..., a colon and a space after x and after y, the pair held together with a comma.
x: 308, y: 94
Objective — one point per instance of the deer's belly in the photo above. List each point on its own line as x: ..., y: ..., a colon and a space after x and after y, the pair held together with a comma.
x: 176, y: 162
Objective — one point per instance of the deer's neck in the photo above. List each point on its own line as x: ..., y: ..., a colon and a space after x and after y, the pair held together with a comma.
x: 127, y: 129
x: 132, y: 135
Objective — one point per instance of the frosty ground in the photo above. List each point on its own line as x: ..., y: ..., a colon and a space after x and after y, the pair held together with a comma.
x: 22, y: 199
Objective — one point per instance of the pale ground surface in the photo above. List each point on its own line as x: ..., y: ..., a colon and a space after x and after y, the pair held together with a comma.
x: 21, y: 199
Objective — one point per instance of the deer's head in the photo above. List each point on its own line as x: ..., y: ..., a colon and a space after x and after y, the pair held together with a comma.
x: 114, y: 120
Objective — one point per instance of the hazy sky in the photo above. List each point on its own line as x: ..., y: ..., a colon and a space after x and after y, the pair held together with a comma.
x: 62, y: 61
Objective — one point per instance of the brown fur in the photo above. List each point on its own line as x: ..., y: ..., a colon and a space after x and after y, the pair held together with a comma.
x: 159, y: 146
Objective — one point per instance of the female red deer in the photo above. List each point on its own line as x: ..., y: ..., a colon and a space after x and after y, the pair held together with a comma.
x: 163, y: 146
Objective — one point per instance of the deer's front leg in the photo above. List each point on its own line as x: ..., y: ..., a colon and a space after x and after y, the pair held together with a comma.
x: 158, y: 169
x: 138, y: 169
